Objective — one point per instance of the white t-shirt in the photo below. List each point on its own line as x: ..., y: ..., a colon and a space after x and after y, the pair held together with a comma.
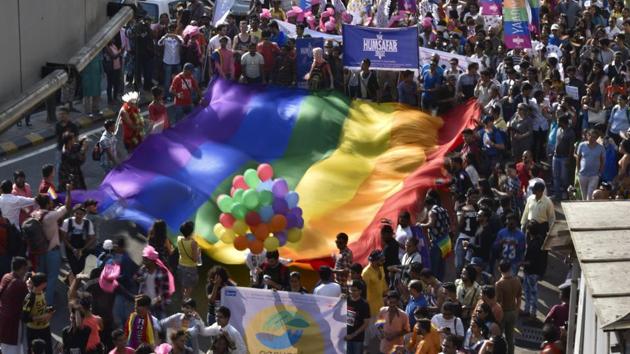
x: 455, y: 324
x: 76, y: 227
x: 149, y: 286
x: 331, y: 289
x: 172, y: 48
x: 402, y: 235
x: 251, y: 64
x: 473, y: 174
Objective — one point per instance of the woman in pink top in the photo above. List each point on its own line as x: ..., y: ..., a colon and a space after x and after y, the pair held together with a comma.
x: 94, y: 322
x: 394, y: 322
x: 120, y: 343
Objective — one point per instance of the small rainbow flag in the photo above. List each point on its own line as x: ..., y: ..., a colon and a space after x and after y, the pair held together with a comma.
x: 352, y: 163
x: 52, y: 194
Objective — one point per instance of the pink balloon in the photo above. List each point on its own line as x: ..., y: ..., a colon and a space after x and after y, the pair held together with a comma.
x: 265, y: 172
x: 239, y: 182
x: 226, y: 220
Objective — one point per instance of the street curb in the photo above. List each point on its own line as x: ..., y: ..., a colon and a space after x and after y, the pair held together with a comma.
x: 34, y: 138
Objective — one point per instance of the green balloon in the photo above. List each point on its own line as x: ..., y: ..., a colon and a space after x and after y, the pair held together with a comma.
x: 251, y: 178
x: 238, y: 211
x: 250, y: 199
x: 238, y: 195
x: 265, y: 198
x: 225, y: 203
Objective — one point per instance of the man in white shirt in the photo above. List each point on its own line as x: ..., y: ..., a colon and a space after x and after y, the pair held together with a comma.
x: 223, y: 328
x: 214, y: 42
x: 108, y: 144
x: 327, y: 287
x: 10, y: 204
x: 172, y: 44
x: 447, y: 323
x: 252, y: 65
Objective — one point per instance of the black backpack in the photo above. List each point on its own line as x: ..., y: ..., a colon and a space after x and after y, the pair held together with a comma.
x: 12, y: 239
x: 33, y: 233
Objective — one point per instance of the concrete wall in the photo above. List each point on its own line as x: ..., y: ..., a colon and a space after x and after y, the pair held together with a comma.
x: 40, y: 31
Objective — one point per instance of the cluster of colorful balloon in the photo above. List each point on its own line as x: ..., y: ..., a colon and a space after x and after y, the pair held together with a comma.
x: 260, y: 212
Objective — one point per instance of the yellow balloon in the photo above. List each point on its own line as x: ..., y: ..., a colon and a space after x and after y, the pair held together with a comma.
x: 239, y: 227
x: 218, y: 229
x: 271, y: 244
x: 294, y: 235
x: 228, y: 236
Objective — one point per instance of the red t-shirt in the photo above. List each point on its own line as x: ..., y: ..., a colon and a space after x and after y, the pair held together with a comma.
x: 523, y: 174
x: 157, y: 114
x: 183, y: 86
x: 269, y: 51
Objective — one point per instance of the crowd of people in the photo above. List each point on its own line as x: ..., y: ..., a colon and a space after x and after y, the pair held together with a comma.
x: 555, y: 126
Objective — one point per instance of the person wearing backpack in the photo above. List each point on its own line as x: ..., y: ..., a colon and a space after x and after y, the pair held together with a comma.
x: 10, y: 244
x: 79, y: 238
x: 619, y: 120
x: 45, y: 242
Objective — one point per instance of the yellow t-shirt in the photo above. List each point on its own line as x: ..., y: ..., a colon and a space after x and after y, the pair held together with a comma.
x: 35, y: 305
x: 375, y: 284
x: 186, y: 256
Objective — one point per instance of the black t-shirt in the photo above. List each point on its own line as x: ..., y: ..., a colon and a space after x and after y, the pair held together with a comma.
x: 62, y: 128
x: 358, y: 312
x: 74, y: 342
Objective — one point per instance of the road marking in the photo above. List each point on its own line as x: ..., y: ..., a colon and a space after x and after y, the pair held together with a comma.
x: 34, y: 138
x: 41, y: 150
x: 8, y: 146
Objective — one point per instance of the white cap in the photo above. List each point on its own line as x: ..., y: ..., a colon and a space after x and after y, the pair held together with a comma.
x: 108, y: 245
x: 555, y: 26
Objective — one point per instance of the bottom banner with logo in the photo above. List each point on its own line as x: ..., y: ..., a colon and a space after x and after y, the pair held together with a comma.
x: 283, y: 322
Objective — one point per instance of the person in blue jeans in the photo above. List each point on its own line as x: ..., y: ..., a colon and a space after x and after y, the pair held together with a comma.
x: 565, y: 138
x: 49, y: 216
x: 172, y: 44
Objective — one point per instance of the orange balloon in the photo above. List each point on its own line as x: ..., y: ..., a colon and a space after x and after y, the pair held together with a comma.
x: 261, y: 231
x: 278, y: 223
x: 240, y: 243
x: 256, y: 246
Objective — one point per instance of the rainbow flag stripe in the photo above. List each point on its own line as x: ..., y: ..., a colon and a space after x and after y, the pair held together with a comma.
x: 352, y: 163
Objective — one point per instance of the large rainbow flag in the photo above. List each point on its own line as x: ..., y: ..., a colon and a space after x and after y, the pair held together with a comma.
x: 353, y: 163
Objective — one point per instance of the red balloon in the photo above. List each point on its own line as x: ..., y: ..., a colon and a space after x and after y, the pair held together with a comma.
x: 256, y: 246
x: 278, y: 223
x: 252, y: 218
x: 226, y: 220
x: 265, y: 172
x: 239, y: 182
x: 241, y: 243
x: 261, y: 232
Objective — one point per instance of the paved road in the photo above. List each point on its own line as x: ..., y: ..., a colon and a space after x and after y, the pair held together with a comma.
x: 31, y: 161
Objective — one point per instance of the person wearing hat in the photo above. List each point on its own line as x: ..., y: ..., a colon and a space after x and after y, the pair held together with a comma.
x: 79, y: 238
x: 155, y: 281
x: 184, y: 86
x: 327, y: 287
x: 132, y: 122
x: 108, y: 146
x: 539, y: 208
